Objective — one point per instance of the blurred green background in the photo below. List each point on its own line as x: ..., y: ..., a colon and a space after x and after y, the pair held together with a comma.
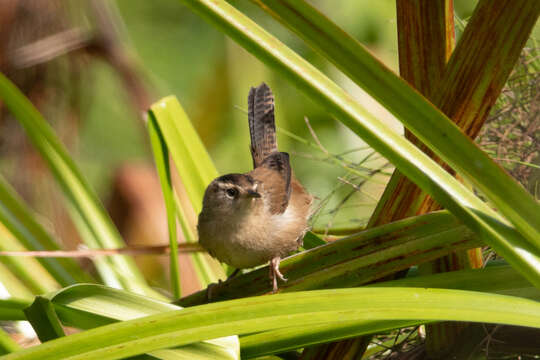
x: 176, y: 52
x: 183, y: 55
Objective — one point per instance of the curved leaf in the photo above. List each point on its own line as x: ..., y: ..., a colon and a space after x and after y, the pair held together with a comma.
x: 12, y: 309
x: 88, y: 306
x: 500, y: 279
x: 182, y: 327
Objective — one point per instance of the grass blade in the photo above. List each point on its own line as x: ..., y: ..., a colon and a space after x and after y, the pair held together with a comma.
x: 187, y: 150
x: 500, y: 279
x: 161, y: 158
x: 182, y: 327
x: 95, y: 305
x: 196, y: 171
x: 43, y: 318
x: 296, y: 337
x: 12, y: 309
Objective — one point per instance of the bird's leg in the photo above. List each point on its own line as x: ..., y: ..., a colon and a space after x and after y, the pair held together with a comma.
x: 275, y: 273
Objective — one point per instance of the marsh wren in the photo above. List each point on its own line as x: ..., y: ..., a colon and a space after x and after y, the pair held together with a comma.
x: 260, y: 216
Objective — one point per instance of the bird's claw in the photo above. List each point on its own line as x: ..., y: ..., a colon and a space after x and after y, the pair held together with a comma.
x: 275, y: 273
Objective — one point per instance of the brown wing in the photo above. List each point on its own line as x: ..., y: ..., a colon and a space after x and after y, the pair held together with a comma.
x: 262, y: 127
x: 280, y: 177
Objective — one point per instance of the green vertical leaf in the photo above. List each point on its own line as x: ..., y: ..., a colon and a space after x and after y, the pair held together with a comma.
x: 195, y: 169
x: 43, y: 318
x: 187, y: 150
x: 161, y: 159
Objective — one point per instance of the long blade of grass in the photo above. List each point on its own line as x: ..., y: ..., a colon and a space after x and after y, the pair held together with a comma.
x: 495, y: 279
x: 89, y: 306
x: 18, y: 218
x: 297, y: 337
x: 429, y: 124
x: 44, y: 320
x: 523, y: 253
x: 12, y: 309
x: 196, y: 171
x: 98, y: 225
x: 187, y: 150
x: 161, y: 159
x: 500, y: 279
x: 182, y: 327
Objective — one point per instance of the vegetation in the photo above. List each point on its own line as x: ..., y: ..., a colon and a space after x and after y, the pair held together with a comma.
x: 411, y: 281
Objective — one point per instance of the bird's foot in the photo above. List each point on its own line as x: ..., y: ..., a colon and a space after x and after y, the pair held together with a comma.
x: 275, y: 273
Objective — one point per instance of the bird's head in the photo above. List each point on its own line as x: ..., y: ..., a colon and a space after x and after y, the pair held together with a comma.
x: 232, y: 192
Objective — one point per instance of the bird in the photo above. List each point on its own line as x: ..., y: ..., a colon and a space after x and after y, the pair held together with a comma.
x: 260, y: 216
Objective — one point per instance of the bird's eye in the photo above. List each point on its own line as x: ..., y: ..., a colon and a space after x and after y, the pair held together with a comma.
x: 232, y: 192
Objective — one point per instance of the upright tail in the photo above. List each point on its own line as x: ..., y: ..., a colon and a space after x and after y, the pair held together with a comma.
x: 262, y: 127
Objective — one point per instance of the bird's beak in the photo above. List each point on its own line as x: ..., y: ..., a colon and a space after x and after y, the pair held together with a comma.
x: 253, y: 194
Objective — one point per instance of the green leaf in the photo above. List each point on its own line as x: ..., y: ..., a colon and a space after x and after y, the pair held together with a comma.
x: 196, y: 171
x: 89, y: 306
x: 187, y: 150
x: 501, y: 279
x: 295, y: 337
x: 161, y: 158
x: 311, y: 241
x: 43, y: 318
x: 12, y: 309
x: 95, y: 224
x: 523, y: 253
x: 20, y: 221
x: 243, y: 316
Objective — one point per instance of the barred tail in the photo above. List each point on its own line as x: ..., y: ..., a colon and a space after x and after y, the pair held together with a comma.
x: 262, y: 127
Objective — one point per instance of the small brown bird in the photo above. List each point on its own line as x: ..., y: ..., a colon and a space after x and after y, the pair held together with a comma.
x: 250, y: 219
